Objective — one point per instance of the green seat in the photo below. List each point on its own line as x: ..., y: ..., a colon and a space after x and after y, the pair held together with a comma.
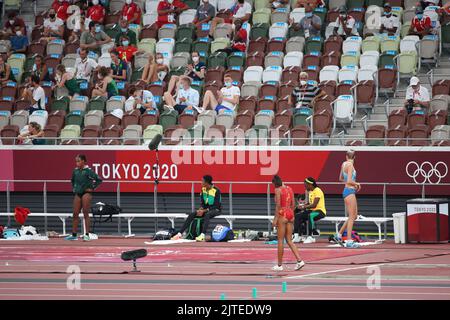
x: 29, y: 63
x: 183, y: 45
x: 300, y: 116
x: 379, y: 3
x: 355, y: 4
x: 218, y: 59
x: 151, y: 131
x: 168, y: 118
x: 198, y: 85
x: 370, y: 44
x: 193, y: 4
x: 202, y: 45
x: 375, y: 143
x: 386, y: 58
x: 112, y: 30
x: 349, y: 59
x: 236, y: 59
x: 321, y: 13
x: 97, y: 103
x: 261, y: 4
x: 75, y: 117
x: 61, y: 104
x: 185, y: 31
x: 445, y: 35
x: 261, y: 16
x: 220, y: 43
x: 390, y: 44
x: 136, y: 74
x: 313, y: 44
x: 260, y: 30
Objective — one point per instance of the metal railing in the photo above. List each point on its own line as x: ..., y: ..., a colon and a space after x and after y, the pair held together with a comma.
x: 193, y: 184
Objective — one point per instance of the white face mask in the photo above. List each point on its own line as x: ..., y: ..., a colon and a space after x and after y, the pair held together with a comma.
x: 18, y: 33
x: 129, y: 1
x: 11, y: 21
x: 95, y: 2
x: 195, y: 59
x: 303, y: 82
x: 170, y: 1
x: 159, y: 61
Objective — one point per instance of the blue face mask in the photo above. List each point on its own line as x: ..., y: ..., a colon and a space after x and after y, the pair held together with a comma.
x: 228, y: 84
x: 308, y: 14
x: 98, y: 29
x: 125, y: 43
x: 124, y: 30
x: 419, y: 16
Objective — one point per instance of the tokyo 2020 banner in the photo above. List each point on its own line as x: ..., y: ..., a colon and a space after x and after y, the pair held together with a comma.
x: 134, y: 169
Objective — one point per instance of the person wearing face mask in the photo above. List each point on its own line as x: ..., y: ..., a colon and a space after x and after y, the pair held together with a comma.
x: 126, y: 50
x: 60, y: 7
x: 155, y: 69
x: 417, y: 96
x: 420, y: 24
x: 241, y: 11
x: 185, y: 98
x: 84, y: 66
x: 239, y: 43
x: 94, y: 38
x: 195, y: 71
x: 19, y: 41
x: 310, y: 23
x: 390, y: 23
x: 11, y: 24
x: 142, y: 100
x: 345, y: 25
x: 126, y: 31
x: 53, y: 26
x: 118, y: 67
x: 131, y: 12
x: 168, y: 11
x: 205, y: 13
x: 227, y: 97
x: 96, y: 12
x: 305, y: 94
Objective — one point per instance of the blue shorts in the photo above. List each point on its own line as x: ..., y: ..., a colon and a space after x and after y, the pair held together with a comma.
x: 220, y: 107
x: 347, y: 192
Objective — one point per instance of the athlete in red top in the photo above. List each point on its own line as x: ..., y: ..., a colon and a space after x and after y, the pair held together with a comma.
x: 60, y: 7
x: 131, y: 12
x: 284, y: 221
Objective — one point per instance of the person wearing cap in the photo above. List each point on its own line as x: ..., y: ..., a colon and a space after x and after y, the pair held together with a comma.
x: 420, y: 25
x: 345, y: 25
x: 390, y: 23
x: 417, y: 96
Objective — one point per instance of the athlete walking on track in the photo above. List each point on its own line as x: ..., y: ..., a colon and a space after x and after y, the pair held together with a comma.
x: 84, y: 182
x: 284, y: 221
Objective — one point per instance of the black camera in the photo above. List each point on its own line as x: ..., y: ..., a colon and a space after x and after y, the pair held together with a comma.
x: 410, y: 105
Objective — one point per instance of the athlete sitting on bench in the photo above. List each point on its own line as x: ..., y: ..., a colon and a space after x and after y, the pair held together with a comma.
x: 211, y: 207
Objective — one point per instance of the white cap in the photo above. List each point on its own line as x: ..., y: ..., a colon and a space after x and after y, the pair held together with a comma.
x: 414, y: 81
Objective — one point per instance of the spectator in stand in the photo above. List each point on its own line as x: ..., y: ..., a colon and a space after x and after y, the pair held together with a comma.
x: 241, y: 11
x: 142, y: 100
x: 60, y: 7
x: 390, y: 23
x: 310, y: 23
x: 239, y: 43
x: 19, y: 41
x: 227, y: 97
x: 53, y: 26
x: 420, y: 25
x: 84, y: 66
x: 205, y: 13
x: 195, y: 70
x: 11, y: 24
x: 78, y: 29
x: 155, y: 70
x: 168, y: 11
x: 126, y: 31
x: 5, y: 72
x: 34, y: 93
x: 118, y: 67
x: 305, y: 94
x: 40, y: 69
x: 107, y: 86
x: 275, y: 4
x: 127, y: 51
x: 96, y: 12
x: 66, y: 79
x: 417, y: 96
x: 131, y: 12
x: 345, y: 25
x: 311, y: 4
x: 33, y: 134
x: 426, y: 3
x: 94, y: 38
x: 185, y: 98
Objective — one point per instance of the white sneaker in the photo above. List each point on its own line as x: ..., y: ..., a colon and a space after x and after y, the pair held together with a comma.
x: 309, y: 240
x: 296, y: 238
x: 302, y: 238
x: 277, y: 268
x: 299, y: 265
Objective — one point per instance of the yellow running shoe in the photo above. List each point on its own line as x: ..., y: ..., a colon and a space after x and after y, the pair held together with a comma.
x: 201, y: 237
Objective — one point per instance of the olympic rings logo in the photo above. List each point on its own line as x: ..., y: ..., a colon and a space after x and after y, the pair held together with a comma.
x: 426, y: 172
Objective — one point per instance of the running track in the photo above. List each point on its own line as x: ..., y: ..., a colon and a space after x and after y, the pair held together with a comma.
x: 38, y: 270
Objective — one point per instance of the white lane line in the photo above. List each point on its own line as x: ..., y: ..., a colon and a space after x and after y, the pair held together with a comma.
x: 333, y: 271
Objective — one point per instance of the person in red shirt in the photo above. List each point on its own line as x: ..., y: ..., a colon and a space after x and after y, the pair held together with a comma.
x: 126, y: 51
x: 168, y: 10
x: 239, y: 43
x: 96, y: 12
x: 131, y: 12
x: 420, y: 25
x: 11, y: 24
x: 60, y: 7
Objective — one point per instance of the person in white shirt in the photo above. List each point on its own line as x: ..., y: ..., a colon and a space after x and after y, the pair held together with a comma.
x: 36, y: 94
x: 390, y: 22
x: 142, y: 100
x: 417, y: 96
x: 227, y: 97
x: 241, y: 10
x: 84, y: 66
x: 186, y: 98
x: 345, y: 25
x: 53, y: 26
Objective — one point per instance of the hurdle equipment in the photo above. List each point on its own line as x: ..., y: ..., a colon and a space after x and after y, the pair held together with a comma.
x: 133, y: 255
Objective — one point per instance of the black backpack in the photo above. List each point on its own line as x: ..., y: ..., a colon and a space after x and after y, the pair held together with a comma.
x: 164, y: 234
x: 195, y: 228
x: 104, y: 211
